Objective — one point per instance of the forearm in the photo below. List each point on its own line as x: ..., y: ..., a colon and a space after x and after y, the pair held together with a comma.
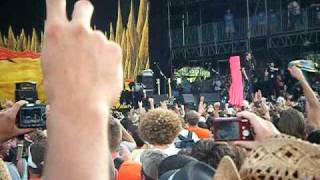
x: 142, y: 110
x: 78, y: 137
x: 151, y: 106
x: 244, y: 73
x: 126, y: 136
x: 313, y: 103
x: 201, y: 107
x: 313, y: 116
x: 3, y: 138
x: 309, y: 94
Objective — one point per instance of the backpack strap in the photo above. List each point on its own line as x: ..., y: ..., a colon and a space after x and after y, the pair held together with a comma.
x: 189, y: 135
x: 117, y: 163
x: 181, y: 137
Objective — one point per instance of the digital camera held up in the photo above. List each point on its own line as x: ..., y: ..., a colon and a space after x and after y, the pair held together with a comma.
x: 30, y: 115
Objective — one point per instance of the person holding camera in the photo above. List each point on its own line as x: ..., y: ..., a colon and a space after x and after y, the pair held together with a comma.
x: 77, y: 131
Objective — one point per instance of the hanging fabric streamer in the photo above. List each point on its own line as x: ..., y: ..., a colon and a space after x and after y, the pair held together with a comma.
x: 236, y: 87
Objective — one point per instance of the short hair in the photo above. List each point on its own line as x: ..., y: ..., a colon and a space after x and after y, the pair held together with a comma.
x: 115, y: 135
x: 212, y: 153
x: 314, y: 137
x: 38, y: 136
x: 192, y: 118
x: 38, y: 151
x: 291, y: 122
x: 174, y: 162
x: 159, y: 126
x: 133, y: 130
x: 151, y: 160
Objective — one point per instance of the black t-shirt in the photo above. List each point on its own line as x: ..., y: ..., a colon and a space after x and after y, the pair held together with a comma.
x: 272, y: 73
x: 248, y: 67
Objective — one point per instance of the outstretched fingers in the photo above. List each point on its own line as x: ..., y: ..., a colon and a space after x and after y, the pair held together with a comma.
x: 82, y: 13
x: 56, y: 11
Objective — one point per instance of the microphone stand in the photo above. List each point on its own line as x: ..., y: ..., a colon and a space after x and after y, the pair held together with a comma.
x: 162, y: 75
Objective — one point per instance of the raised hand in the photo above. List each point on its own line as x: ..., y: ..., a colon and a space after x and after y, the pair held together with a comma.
x: 262, y: 130
x: 82, y: 77
x: 296, y: 73
x: 8, y: 128
x: 77, y: 62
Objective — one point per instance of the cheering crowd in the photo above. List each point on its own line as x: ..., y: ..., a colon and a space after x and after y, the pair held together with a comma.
x: 86, y: 140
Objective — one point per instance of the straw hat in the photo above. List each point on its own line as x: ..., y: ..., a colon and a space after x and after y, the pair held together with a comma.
x: 226, y: 170
x: 280, y: 157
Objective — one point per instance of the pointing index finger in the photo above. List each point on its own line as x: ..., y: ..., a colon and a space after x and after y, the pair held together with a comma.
x: 56, y: 10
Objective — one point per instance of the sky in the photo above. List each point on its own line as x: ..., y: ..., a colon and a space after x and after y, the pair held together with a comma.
x: 31, y: 13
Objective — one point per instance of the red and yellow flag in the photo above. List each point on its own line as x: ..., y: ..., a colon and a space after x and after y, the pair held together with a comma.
x: 19, y: 67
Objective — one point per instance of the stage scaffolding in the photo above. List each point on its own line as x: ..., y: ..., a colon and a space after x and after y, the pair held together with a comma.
x: 259, y: 25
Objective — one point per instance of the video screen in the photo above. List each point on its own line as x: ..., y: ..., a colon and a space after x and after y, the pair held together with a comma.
x: 227, y: 130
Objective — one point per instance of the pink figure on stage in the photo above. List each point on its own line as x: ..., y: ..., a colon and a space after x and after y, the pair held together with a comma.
x: 236, y: 87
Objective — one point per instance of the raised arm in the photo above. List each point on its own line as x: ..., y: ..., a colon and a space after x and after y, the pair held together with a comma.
x: 82, y: 77
x: 201, y: 106
x: 313, y: 103
x: 151, y: 102
x: 126, y: 136
x: 244, y: 73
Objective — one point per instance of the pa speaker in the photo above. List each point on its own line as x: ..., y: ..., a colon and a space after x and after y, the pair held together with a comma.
x: 159, y: 98
x: 146, y: 78
x: 189, y: 99
x: 149, y: 92
x: 210, y: 97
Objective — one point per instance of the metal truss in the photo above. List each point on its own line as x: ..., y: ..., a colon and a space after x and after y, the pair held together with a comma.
x: 294, y: 39
x: 209, y: 50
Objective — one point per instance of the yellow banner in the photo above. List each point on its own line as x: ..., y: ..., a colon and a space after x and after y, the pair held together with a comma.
x: 19, y: 70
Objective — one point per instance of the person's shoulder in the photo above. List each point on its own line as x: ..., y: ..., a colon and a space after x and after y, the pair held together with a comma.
x: 185, y: 132
x: 204, y: 130
x: 130, y: 170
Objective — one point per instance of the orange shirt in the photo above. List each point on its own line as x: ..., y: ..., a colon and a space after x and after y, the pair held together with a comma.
x: 129, y: 170
x: 201, y: 132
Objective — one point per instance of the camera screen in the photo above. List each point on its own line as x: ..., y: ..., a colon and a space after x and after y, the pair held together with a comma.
x: 32, y: 116
x: 228, y: 130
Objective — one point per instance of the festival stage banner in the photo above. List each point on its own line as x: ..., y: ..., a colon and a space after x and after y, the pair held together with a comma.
x: 19, y: 67
x: 236, y: 87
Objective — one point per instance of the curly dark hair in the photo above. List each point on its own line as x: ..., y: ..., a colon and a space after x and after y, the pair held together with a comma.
x: 159, y: 126
x: 211, y: 153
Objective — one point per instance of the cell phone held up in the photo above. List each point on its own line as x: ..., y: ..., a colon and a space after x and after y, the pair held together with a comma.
x: 232, y: 129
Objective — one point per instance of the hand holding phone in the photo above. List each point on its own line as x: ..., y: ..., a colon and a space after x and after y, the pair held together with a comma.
x: 232, y: 129
x: 263, y: 129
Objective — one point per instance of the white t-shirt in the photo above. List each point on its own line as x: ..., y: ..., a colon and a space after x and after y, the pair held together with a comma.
x: 169, y: 151
x: 184, y: 133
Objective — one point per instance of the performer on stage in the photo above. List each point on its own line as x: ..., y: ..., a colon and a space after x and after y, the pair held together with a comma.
x: 273, y: 85
x: 248, y: 71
